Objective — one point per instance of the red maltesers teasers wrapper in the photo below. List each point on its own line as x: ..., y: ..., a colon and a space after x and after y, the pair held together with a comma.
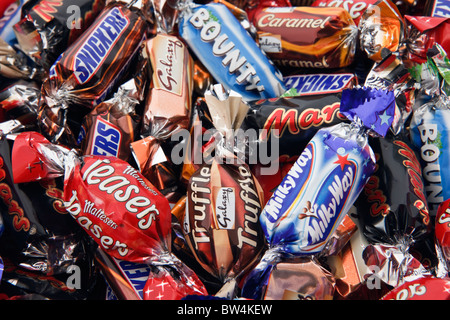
x: 427, y: 288
x: 115, y: 205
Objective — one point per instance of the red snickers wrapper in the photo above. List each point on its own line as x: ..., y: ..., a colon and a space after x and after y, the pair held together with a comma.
x: 117, y: 207
x: 89, y: 70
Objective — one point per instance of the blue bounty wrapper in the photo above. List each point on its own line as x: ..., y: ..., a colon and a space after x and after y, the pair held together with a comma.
x: 322, y: 185
x: 229, y: 52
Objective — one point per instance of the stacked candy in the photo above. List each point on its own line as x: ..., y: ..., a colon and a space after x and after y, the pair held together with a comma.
x: 224, y: 150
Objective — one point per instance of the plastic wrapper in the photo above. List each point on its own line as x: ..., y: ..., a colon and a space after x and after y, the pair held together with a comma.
x: 20, y: 101
x: 307, y: 37
x: 281, y: 123
x: 423, y: 33
x: 113, y: 125
x: 172, y: 84
x: 391, y: 74
x: 393, y: 214
x: 442, y: 235
x: 16, y: 65
x: 46, y: 30
x: 224, y: 200
x: 114, y: 204
x: 10, y: 15
x: 89, y: 70
x: 354, y: 8
x: 319, y: 189
x: 228, y: 51
x: 39, y: 234
x: 381, y: 26
x: 429, y: 134
x: 427, y: 288
x: 321, y: 83
x: 21, y: 284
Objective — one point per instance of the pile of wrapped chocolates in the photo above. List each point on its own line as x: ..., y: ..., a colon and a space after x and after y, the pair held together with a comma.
x: 224, y: 150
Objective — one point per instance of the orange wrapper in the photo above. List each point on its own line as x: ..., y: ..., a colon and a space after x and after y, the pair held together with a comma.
x: 381, y: 26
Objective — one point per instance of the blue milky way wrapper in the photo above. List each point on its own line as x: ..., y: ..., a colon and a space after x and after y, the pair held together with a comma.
x: 322, y: 185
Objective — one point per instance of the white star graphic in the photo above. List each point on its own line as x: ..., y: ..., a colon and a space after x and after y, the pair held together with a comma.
x: 385, y: 118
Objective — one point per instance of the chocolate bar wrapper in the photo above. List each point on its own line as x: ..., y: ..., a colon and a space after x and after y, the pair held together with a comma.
x: 20, y: 101
x: 391, y: 74
x: 89, y: 70
x: 113, y: 125
x: 9, y: 17
x: 321, y: 83
x: 14, y: 64
x: 320, y: 188
x: 430, y: 142
x: 39, y: 234
x: 171, y: 83
x: 224, y: 200
x: 442, y: 235
x: 22, y: 284
x: 393, y: 212
x: 381, y: 26
x: 117, y: 207
x: 423, y: 33
x: 289, y: 121
x: 437, y: 8
x: 46, y: 30
x: 427, y: 288
x: 229, y: 53
x: 307, y: 37
x: 354, y: 8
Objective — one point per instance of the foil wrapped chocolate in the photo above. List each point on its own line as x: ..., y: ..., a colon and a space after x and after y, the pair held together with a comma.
x: 228, y: 51
x: 46, y: 30
x: 307, y: 37
x: 114, y: 204
x: 224, y: 200
x: 171, y: 84
x: 429, y: 132
x: 306, y: 208
x: 393, y: 213
x: 381, y: 26
x: 89, y: 70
